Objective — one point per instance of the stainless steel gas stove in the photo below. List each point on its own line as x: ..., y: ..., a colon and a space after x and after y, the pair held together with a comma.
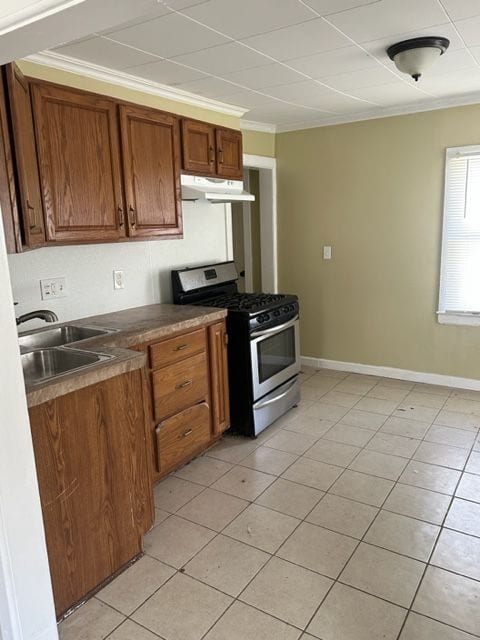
x: 264, y: 346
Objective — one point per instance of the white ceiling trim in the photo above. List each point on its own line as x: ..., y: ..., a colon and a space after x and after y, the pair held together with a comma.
x: 251, y: 125
x: 386, y: 112
x: 120, y: 78
x: 33, y: 12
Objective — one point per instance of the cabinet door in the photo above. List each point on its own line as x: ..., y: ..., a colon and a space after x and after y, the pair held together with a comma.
x: 151, y: 163
x: 198, y: 145
x: 229, y: 153
x: 219, y: 377
x: 25, y: 157
x: 79, y: 161
x: 8, y: 194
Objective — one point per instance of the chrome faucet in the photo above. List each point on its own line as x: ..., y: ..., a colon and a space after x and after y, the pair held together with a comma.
x: 42, y: 314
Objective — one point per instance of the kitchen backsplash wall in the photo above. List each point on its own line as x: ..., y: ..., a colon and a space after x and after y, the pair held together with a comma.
x: 89, y: 268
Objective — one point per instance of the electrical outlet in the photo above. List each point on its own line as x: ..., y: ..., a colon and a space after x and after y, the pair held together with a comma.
x: 53, y: 288
x: 327, y: 253
x: 119, y: 279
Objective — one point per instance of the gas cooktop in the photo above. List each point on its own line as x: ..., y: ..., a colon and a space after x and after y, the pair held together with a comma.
x: 249, y: 302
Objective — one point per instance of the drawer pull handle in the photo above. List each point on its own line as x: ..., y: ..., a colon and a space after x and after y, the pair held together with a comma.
x: 182, y: 385
x: 188, y: 433
x: 181, y: 347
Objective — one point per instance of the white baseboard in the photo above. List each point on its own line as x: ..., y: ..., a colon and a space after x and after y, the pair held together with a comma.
x: 392, y: 372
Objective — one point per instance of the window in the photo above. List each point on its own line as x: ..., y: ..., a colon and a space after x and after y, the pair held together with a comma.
x: 459, y: 300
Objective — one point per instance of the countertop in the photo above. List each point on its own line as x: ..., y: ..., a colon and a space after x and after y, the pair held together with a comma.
x: 132, y: 327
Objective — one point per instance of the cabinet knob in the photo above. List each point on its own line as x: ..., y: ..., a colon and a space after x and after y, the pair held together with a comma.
x: 220, y: 156
x: 133, y: 216
x: 212, y: 154
x: 188, y: 433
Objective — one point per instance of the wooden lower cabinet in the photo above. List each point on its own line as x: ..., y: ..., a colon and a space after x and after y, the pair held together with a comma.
x: 182, y: 436
x: 95, y: 489
x: 188, y: 401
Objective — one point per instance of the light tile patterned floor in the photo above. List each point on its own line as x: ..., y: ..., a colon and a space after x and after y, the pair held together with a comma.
x: 355, y: 517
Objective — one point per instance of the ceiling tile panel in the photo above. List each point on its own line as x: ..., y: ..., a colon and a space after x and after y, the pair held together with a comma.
x: 249, y: 17
x: 166, y: 72
x: 168, y: 36
x: 390, y: 95
x: 459, y: 9
x: 224, y: 59
x: 106, y: 53
x: 463, y: 81
x: 470, y: 30
x: 283, y: 114
x: 299, y: 40
x: 246, y: 98
x: 208, y: 86
x: 388, y: 18
x: 265, y: 76
x: 358, y: 79
x: 299, y: 92
x: 326, y: 7
x: 331, y: 62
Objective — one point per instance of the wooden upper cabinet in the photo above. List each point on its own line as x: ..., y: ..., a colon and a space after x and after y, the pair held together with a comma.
x: 79, y: 162
x: 25, y: 156
x: 211, y: 151
x: 198, y: 142
x: 229, y: 153
x: 151, y: 166
x: 218, y: 339
x: 8, y: 194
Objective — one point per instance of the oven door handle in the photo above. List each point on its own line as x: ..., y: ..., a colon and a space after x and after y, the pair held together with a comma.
x: 261, y: 405
x: 279, y: 327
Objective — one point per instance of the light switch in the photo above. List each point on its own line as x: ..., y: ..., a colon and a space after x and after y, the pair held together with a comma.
x: 327, y: 253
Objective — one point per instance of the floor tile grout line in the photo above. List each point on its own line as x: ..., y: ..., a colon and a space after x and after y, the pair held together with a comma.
x: 410, y: 609
x: 306, y: 516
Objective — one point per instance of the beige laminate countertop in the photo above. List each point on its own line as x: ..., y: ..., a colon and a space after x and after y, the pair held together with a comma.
x: 132, y: 327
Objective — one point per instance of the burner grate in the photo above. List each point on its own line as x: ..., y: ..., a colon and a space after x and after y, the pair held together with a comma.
x: 244, y: 301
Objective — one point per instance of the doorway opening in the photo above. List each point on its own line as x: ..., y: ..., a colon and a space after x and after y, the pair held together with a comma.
x: 254, y: 232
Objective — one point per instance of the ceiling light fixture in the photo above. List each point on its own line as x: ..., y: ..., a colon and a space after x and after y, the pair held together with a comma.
x: 418, y: 54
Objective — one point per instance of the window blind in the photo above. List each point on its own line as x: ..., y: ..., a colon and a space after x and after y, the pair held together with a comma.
x: 460, y: 268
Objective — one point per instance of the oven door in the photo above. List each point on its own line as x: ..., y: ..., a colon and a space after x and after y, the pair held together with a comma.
x: 275, y: 355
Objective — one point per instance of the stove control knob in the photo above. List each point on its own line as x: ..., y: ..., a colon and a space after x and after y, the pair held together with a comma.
x: 276, y: 313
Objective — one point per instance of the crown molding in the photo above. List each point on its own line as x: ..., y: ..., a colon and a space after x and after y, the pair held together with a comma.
x: 251, y: 125
x: 120, y: 78
x: 33, y: 12
x: 387, y: 112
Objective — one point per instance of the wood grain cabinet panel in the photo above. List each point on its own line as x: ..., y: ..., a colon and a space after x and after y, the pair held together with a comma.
x: 229, y: 153
x: 8, y: 192
x: 151, y: 164
x: 25, y: 157
x: 180, y: 385
x: 79, y: 160
x: 181, y: 437
x: 177, y: 348
x: 218, y: 341
x: 198, y: 146
x: 95, y: 490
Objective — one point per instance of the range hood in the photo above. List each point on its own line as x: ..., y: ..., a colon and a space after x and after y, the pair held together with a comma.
x: 214, y: 189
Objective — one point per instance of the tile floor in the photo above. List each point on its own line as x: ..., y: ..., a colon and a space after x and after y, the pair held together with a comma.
x: 355, y: 517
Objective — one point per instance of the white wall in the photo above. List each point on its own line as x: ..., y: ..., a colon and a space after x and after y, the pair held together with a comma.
x: 147, y: 265
x: 26, y: 603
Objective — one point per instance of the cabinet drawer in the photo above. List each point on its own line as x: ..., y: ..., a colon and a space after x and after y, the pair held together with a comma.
x: 180, y: 385
x: 174, y: 349
x: 182, y: 435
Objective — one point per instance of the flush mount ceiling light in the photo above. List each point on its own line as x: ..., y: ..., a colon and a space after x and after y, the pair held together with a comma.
x: 418, y: 54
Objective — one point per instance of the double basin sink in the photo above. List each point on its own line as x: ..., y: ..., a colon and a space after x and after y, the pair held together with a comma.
x: 48, y: 354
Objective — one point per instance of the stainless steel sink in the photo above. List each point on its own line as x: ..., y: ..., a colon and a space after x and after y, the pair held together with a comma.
x: 58, y: 337
x: 43, y: 364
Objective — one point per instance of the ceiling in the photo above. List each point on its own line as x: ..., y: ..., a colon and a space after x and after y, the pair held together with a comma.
x: 295, y: 63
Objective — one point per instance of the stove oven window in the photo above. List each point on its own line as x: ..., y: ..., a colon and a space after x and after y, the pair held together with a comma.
x: 276, y: 353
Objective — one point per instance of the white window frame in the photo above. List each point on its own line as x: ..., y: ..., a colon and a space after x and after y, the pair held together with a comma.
x: 457, y: 317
